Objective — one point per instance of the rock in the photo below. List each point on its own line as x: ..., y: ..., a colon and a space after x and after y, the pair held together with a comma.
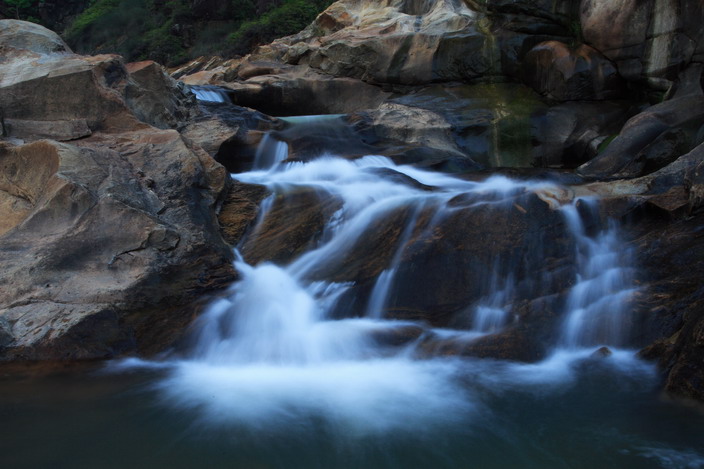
x: 411, y: 127
x: 240, y: 209
x: 649, y: 40
x: 443, y: 278
x: 570, y: 134
x: 98, y: 244
x: 48, y: 92
x: 649, y: 139
x: 386, y: 44
x: 230, y: 134
x: 305, y: 92
x: 562, y: 73
x: 203, y: 70
x: 295, y: 222
x: 672, y: 253
x: 107, y: 245
x: 312, y: 137
x: 23, y: 35
x: 602, y: 352
x: 156, y: 98
x: 480, y: 125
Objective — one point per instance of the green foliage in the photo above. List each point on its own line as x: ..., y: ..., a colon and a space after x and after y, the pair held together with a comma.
x: 289, y: 18
x: 170, y: 32
x: 23, y: 9
x: 98, y: 10
x: 605, y: 143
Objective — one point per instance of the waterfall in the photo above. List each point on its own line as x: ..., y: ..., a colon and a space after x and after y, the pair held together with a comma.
x: 597, y: 309
x: 298, y: 343
x: 211, y: 94
x: 270, y: 153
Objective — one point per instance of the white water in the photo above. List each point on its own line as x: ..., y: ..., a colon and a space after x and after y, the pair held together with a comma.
x: 211, y: 94
x: 270, y: 355
x: 598, y: 306
x: 270, y: 153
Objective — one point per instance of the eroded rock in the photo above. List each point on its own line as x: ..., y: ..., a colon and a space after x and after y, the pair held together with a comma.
x: 97, y: 235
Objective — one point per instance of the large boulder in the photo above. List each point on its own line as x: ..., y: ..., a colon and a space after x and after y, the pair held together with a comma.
x: 108, y: 244
x: 100, y: 246
x: 48, y: 92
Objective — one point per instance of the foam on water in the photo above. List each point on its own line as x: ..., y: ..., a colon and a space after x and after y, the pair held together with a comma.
x: 271, y: 354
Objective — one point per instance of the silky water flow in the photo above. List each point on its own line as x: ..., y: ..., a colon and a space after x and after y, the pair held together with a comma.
x: 273, y: 358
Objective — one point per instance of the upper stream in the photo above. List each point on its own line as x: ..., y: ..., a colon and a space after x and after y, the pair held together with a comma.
x: 305, y: 365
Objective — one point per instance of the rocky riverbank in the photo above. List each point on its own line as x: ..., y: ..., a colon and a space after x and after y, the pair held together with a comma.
x: 113, y: 237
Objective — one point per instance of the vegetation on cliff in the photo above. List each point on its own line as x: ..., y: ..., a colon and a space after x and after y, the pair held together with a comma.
x: 169, y: 31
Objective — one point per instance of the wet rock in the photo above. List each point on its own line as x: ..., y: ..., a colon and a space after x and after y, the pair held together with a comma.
x: 312, y: 137
x: 467, y: 126
x: 397, y: 336
x: 301, y: 92
x: 240, y: 209
x: 411, y: 126
x: 673, y: 300
x: 295, y: 222
x: 602, y: 352
x: 231, y: 134
x: 444, y: 267
x: 562, y: 73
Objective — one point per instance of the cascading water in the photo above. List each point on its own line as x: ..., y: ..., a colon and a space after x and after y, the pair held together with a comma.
x: 305, y: 365
x: 210, y: 94
x: 275, y: 349
x: 597, y: 308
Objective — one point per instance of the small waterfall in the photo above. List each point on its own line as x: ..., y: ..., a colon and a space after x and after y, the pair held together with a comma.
x: 597, y: 308
x: 384, y: 283
x: 270, y: 153
x: 211, y: 94
x: 492, y: 313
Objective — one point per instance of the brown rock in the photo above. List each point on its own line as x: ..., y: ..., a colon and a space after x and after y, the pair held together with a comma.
x: 294, y: 222
x: 103, y: 243
x: 240, y: 209
x: 46, y: 91
x: 649, y: 40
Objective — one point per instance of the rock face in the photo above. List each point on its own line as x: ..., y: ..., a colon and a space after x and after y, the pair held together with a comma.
x: 651, y: 139
x: 108, y: 243
x: 651, y: 40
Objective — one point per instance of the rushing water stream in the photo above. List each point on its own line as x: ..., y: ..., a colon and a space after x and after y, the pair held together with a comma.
x: 276, y: 379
